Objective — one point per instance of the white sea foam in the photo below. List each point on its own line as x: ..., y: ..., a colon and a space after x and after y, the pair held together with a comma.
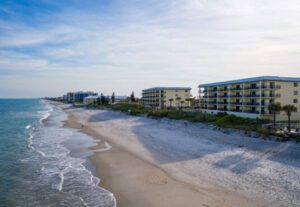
x: 106, y: 148
x: 63, y: 172
x: 46, y: 114
x: 28, y: 126
x: 62, y: 178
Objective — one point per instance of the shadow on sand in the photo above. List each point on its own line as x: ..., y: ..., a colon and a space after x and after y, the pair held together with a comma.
x: 172, y: 141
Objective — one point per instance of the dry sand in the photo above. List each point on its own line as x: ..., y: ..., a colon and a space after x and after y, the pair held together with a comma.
x: 146, y: 167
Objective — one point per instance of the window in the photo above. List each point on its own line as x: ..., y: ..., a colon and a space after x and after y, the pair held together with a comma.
x: 295, y: 92
x: 295, y: 100
x: 295, y: 84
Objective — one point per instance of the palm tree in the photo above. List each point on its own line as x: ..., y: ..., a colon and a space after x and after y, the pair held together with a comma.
x: 181, y: 103
x: 178, y: 99
x: 189, y: 100
x: 288, y: 110
x: 171, y: 100
x: 274, y: 108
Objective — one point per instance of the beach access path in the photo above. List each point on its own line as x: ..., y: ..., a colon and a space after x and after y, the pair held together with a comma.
x: 161, y: 162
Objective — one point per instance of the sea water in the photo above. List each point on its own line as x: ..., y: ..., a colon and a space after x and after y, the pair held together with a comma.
x: 36, y: 166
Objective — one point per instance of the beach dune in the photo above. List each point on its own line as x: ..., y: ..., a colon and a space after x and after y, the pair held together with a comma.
x: 149, y: 162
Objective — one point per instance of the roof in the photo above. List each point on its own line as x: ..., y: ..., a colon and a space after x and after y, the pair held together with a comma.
x: 255, y: 79
x: 168, y: 88
x: 91, y: 97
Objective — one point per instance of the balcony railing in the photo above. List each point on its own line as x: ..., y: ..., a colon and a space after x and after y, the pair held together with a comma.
x: 251, y: 103
x: 236, y: 96
x: 236, y: 89
x: 236, y: 103
x: 251, y: 111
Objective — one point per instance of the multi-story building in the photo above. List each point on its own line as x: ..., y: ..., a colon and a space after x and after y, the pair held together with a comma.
x: 78, y: 96
x: 162, y: 97
x: 250, y: 97
x: 70, y: 97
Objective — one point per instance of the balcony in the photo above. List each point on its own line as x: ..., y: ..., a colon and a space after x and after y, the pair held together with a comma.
x: 251, y: 111
x: 236, y: 96
x: 252, y: 95
x: 271, y: 87
x: 234, y: 110
x: 251, y: 104
x: 223, y: 89
x: 251, y: 88
x: 236, y: 103
x: 236, y: 88
x: 212, y: 108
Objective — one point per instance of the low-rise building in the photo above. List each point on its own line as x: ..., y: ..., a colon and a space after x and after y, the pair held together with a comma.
x: 78, y: 96
x: 163, y: 97
x: 251, y: 97
x: 90, y: 100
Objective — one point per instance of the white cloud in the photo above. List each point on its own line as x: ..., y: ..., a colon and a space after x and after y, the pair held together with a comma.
x: 183, y: 42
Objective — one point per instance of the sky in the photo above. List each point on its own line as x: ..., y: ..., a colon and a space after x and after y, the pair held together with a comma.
x: 48, y: 47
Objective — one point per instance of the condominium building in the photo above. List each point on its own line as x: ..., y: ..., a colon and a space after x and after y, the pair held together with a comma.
x: 250, y: 97
x: 162, y: 97
x: 70, y: 97
x: 78, y: 96
x: 90, y: 100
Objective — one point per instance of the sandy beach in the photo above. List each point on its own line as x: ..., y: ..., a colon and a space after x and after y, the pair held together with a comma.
x: 149, y: 162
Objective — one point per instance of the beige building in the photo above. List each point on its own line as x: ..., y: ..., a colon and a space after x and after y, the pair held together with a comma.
x: 250, y: 97
x: 90, y: 100
x: 163, y: 97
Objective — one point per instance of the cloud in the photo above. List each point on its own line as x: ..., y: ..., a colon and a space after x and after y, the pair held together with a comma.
x: 134, y: 44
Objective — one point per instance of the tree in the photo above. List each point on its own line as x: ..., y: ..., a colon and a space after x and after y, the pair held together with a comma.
x: 132, y: 98
x: 189, y: 100
x: 171, y: 100
x: 178, y: 100
x: 274, y: 108
x: 98, y: 101
x: 102, y: 99
x: 113, y: 98
x: 288, y: 110
x: 181, y: 103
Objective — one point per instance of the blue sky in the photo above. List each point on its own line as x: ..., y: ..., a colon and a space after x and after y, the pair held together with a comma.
x: 51, y: 47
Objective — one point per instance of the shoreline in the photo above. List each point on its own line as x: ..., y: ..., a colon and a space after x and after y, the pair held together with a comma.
x: 134, y: 181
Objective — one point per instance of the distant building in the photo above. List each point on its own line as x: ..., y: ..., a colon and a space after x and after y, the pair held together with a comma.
x: 251, y: 97
x: 162, y: 97
x: 70, y: 97
x: 80, y: 95
x: 90, y: 100
x: 120, y: 99
x: 64, y: 98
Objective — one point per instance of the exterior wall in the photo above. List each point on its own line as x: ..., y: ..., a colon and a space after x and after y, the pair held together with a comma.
x: 160, y: 97
x: 287, y: 98
x: 87, y: 101
x: 251, y: 98
x: 79, y: 96
x: 174, y: 94
x: 70, y: 97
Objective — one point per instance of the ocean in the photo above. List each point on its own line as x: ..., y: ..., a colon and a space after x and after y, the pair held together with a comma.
x: 42, y: 163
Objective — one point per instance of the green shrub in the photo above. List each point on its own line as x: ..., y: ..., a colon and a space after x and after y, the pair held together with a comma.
x: 231, y: 120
